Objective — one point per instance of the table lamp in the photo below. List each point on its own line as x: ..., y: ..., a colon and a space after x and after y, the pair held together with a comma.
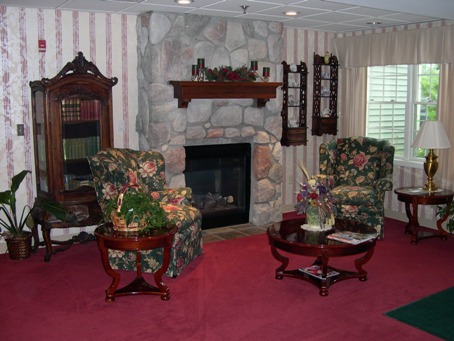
x: 431, y: 136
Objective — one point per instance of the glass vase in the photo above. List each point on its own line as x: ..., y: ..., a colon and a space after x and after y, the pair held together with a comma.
x: 313, y: 216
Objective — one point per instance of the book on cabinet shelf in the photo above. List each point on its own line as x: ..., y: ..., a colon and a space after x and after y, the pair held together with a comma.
x: 77, y: 110
x: 79, y: 148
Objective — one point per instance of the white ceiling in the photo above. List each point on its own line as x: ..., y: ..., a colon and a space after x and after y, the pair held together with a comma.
x: 317, y: 15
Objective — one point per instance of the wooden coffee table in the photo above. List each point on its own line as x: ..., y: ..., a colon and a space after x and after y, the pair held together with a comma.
x: 108, y: 238
x: 288, y: 236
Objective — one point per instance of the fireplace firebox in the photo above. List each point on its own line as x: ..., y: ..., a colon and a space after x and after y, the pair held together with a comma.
x: 220, y: 178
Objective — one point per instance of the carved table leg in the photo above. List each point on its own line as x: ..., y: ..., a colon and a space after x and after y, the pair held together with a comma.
x: 47, y: 242
x: 323, y: 282
x: 408, y: 226
x: 282, y: 259
x: 110, y: 292
x: 158, y: 274
x: 35, y: 237
x: 441, y: 232
x: 413, y: 221
x: 361, y: 261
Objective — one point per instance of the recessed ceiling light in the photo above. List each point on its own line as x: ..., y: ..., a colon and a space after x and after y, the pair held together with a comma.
x: 291, y: 13
x: 374, y: 23
x: 184, y: 2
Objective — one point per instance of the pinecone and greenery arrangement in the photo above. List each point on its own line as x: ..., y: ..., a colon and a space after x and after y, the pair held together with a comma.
x: 228, y: 74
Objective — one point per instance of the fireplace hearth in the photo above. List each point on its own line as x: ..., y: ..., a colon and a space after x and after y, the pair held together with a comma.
x: 220, y: 178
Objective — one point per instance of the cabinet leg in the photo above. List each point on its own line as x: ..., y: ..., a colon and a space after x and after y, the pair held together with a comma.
x: 47, y: 242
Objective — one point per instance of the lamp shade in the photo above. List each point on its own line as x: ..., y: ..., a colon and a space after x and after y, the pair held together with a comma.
x: 432, y: 135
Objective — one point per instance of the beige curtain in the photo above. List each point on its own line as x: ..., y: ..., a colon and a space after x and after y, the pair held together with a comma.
x: 446, y: 116
x: 354, y: 102
x: 418, y: 46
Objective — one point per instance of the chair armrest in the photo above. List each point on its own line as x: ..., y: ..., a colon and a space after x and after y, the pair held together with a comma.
x: 327, y: 155
x: 383, y: 184
x: 174, y: 195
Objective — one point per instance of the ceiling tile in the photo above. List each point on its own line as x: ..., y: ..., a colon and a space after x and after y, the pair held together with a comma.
x: 334, y: 15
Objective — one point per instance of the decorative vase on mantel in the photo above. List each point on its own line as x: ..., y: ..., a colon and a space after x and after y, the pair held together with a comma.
x: 315, y: 230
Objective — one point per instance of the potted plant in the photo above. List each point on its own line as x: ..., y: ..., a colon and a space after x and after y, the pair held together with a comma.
x: 13, y: 222
x: 441, y: 211
x: 135, y: 210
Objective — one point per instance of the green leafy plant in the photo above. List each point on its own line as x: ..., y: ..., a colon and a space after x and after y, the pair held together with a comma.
x: 136, y: 206
x: 441, y: 211
x: 228, y: 74
x: 13, y: 221
x: 10, y: 221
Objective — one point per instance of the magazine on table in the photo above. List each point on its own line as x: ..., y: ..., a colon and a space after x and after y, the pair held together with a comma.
x: 316, y: 271
x: 351, y: 237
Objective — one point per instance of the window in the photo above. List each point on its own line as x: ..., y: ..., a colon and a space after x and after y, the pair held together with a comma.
x: 400, y: 98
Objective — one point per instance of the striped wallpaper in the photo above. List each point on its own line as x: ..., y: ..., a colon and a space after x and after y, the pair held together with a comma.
x: 108, y: 40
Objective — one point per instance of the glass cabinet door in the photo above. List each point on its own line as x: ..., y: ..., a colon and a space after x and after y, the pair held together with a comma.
x: 40, y: 133
x: 81, y: 131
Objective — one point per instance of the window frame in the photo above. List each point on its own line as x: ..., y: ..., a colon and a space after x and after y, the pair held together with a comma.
x: 411, y: 103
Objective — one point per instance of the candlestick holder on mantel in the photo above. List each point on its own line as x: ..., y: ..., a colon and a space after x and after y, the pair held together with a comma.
x: 198, y: 70
x: 266, y: 71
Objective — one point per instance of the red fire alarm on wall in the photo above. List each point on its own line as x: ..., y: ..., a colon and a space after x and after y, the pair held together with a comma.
x: 41, y: 45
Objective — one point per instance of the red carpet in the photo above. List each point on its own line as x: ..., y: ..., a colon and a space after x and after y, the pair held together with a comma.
x: 229, y: 293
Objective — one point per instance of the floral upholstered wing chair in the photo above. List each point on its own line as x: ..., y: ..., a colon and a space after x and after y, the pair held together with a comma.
x: 112, y: 169
x: 361, y: 169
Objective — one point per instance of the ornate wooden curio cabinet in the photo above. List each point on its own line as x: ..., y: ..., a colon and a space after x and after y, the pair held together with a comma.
x: 294, y: 104
x: 72, y: 119
x: 324, y: 105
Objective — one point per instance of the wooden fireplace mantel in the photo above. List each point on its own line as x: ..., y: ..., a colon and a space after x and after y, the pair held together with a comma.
x: 185, y: 91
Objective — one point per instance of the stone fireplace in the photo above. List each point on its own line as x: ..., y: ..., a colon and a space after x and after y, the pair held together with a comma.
x: 168, y: 45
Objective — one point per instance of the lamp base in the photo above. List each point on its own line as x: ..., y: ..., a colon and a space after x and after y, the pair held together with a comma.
x: 430, y: 167
x: 431, y: 187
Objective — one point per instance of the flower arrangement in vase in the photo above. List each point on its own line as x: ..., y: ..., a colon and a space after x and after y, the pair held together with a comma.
x: 314, y: 199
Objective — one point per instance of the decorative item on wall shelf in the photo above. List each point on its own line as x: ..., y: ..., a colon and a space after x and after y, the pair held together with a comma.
x: 326, y: 57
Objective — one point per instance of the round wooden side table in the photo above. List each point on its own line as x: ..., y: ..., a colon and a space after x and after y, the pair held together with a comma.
x: 413, y: 197
x: 108, y: 238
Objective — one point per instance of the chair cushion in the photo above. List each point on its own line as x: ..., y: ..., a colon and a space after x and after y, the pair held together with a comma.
x: 354, y: 195
x: 358, y: 162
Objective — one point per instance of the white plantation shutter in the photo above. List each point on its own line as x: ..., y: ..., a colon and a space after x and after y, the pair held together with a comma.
x: 387, y: 104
